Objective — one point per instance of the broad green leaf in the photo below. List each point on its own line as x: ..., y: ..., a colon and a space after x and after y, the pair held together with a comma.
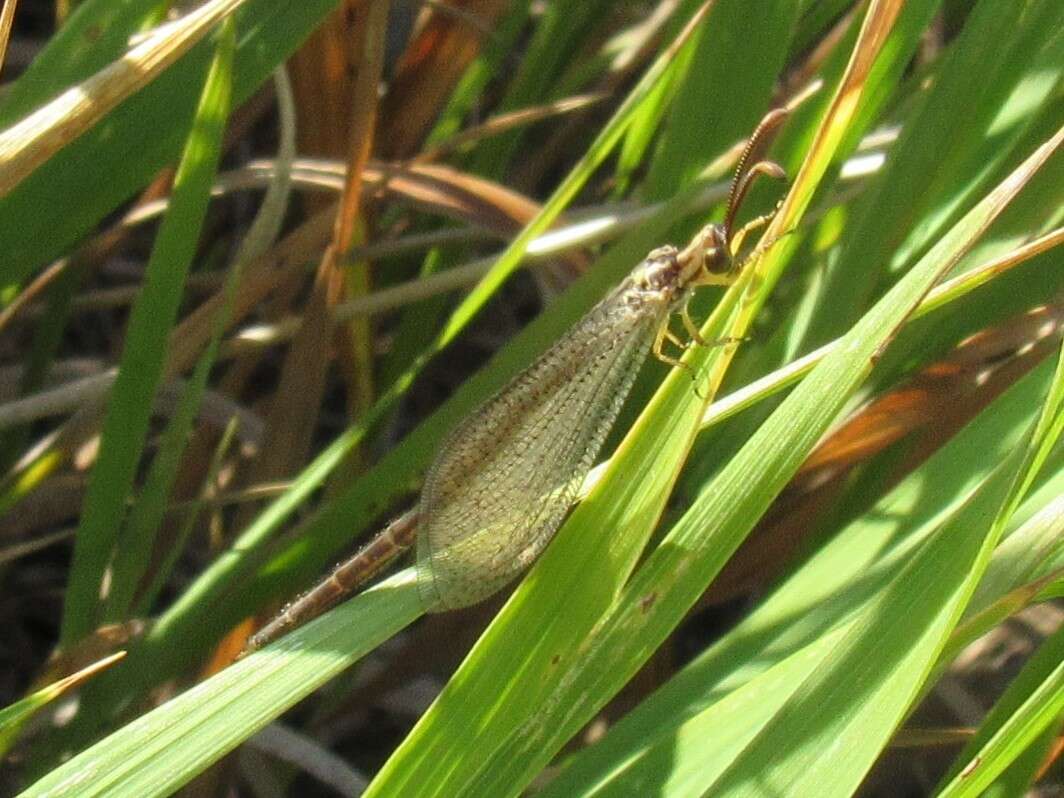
x: 682, y: 758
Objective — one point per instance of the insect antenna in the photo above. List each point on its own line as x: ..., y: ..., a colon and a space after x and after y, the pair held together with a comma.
x: 751, y: 165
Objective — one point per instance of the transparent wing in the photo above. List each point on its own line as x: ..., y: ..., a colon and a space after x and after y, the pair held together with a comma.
x: 508, y: 474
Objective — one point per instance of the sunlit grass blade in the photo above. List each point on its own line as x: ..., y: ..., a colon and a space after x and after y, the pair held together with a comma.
x: 1033, y: 702
x: 890, y: 655
x: 1034, y: 552
x: 32, y: 140
x: 683, y: 758
x: 838, y: 583
x: 864, y: 688
x: 932, y: 172
x: 558, y: 29
x: 148, y: 511
x: 731, y: 37
x: 13, y: 717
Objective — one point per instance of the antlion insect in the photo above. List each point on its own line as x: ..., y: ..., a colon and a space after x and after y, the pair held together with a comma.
x: 506, y: 476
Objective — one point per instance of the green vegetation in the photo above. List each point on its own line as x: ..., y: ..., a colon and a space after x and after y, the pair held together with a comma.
x: 879, y: 505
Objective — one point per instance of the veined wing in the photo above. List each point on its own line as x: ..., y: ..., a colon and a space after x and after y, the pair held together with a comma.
x: 507, y: 475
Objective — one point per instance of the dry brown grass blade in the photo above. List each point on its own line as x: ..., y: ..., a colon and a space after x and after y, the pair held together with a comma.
x: 1056, y: 751
x: 295, y: 405
x: 355, y: 344
x: 435, y: 188
x: 17, y: 551
x: 322, y: 73
x: 509, y: 121
x: 284, y: 264
x: 444, y: 190
x: 939, y: 400
x: 943, y: 396
x: 7, y: 16
x: 89, y: 652
x: 79, y: 677
x: 435, y: 58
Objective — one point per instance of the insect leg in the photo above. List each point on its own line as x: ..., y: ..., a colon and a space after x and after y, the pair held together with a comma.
x: 674, y: 339
x: 690, y: 326
x: 659, y: 340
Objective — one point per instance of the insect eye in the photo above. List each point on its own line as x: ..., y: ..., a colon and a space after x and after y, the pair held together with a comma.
x: 718, y: 260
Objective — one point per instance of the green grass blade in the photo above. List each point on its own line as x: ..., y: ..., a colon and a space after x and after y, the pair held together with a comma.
x: 933, y: 171
x: 837, y: 583
x: 14, y: 716
x: 147, y: 597
x: 677, y: 759
x: 854, y: 700
x: 165, y: 748
x: 634, y: 758
x: 857, y: 697
x: 559, y: 29
x: 724, y: 103
x: 1033, y: 702
x: 133, y: 547
x: 1034, y: 551
x: 129, y: 411
x: 133, y: 555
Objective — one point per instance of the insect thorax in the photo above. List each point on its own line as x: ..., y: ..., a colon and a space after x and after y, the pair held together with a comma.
x: 657, y: 282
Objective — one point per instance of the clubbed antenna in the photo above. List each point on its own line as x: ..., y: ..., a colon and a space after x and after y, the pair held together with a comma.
x: 751, y: 164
